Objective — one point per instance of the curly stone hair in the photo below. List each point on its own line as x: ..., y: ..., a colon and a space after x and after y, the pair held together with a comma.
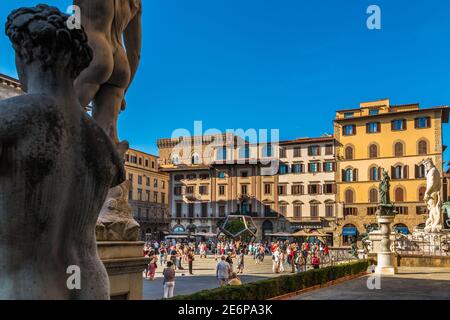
x: 41, y: 33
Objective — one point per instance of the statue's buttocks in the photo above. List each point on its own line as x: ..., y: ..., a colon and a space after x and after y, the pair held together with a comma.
x: 55, y: 170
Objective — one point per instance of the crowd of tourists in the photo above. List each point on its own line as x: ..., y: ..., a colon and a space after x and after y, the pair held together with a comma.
x: 231, y: 256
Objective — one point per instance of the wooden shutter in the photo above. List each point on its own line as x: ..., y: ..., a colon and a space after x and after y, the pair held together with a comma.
x: 334, y: 166
x: 416, y: 123
x: 378, y: 126
x: 392, y: 125
x: 404, y: 124
x: 309, y: 167
x: 319, y: 189
x: 416, y: 171
x: 379, y: 173
x: 354, y: 129
x: 367, y: 127
x: 343, y: 175
x: 334, y: 188
x: 428, y: 122
x: 355, y: 174
x: 392, y: 172
x: 405, y: 172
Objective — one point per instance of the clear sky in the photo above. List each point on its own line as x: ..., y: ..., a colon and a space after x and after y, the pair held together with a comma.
x: 285, y: 64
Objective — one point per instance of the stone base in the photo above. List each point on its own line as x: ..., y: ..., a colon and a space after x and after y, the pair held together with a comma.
x: 124, y: 263
x: 385, y: 263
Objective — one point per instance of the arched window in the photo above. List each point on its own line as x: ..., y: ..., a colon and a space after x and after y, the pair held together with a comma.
x: 422, y: 147
x: 373, y: 151
x: 373, y: 195
x: 195, y: 159
x: 348, y: 153
x: 349, y: 175
x: 175, y: 159
x: 399, y: 195
x: 398, y: 149
x: 422, y: 192
x: 349, y: 196
x: 374, y: 174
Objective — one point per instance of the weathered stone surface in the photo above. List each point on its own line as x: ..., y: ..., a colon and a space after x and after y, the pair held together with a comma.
x: 56, y: 166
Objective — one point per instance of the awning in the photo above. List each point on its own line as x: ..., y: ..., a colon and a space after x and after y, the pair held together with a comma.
x: 205, y: 234
x: 278, y: 234
x: 349, y: 231
x: 177, y: 236
x: 403, y: 230
x: 313, y: 233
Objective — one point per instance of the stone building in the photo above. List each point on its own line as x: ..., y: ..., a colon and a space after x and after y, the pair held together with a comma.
x: 214, y: 176
x: 9, y: 87
x: 379, y: 136
x: 307, y: 184
x: 149, y: 193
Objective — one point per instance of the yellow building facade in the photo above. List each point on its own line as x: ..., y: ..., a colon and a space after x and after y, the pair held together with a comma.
x: 380, y: 136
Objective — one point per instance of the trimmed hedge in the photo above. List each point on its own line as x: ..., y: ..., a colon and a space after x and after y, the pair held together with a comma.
x: 273, y: 287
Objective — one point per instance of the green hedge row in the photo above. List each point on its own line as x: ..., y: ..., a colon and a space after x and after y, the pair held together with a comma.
x: 270, y: 288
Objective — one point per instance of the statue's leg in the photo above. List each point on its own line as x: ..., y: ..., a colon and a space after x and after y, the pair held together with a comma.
x: 99, y: 71
x: 106, y: 109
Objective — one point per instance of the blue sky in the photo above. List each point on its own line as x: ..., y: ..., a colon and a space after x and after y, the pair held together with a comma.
x: 286, y: 64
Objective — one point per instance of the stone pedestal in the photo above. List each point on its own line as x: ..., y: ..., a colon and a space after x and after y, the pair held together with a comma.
x: 385, y: 257
x: 124, y: 262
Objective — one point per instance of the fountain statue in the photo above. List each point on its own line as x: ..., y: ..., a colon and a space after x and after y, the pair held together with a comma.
x: 56, y: 166
x: 432, y: 197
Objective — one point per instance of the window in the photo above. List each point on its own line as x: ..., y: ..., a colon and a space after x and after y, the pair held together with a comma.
x: 191, y: 176
x: 175, y: 159
x: 297, y: 189
x: 190, y: 190
x: 282, y: 190
x: 140, y: 194
x: 155, y: 196
x: 398, y: 125
x: 373, y: 127
x: 204, y: 176
x: 349, y: 130
x: 155, y: 183
x: 163, y: 198
x: 371, y: 211
x: 328, y: 149
x: 130, y: 194
x: 177, y: 190
x: 267, y: 188
x: 244, y: 189
x: 313, y: 167
x: 420, y: 171
x: 313, y: 189
x: 422, y: 122
x: 178, y: 177
x: 140, y: 161
x: 147, y: 181
x: 283, y: 169
x: 374, y: 174
x: 267, y: 151
x: 313, y: 151
x: 195, y: 159
x: 402, y: 210
x: 421, y: 210
x: 399, y: 195
x: 297, y: 210
x: 283, y: 209
x: 350, y: 175
x: 349, y: 153
x: 267, y: 209
x: 203, y: 190
x: 221, y: 175
x: 222, y: 211
x: 374, y: 112
x: 422, y: 191
x: 350, y: 211
x: 314, y: 208
x: 153, y: 164
x: 146, y: 163
x: 148, y: 196
x: 221, y: 190
x: 282, y: 153
x: 349, y: 115
x: 297, y: 168
x: 398, y: 149
x: 244, y: 152
x: 328, y: 188
x: 204, y: 210
x: 373, y: 195
x: 297, y: 152
x: 179, y: 210
x: 244, y: 174
x: 191, y: 210
x: 422, y: 147
x: 222, y: 154
x: 349, y: 196
x: 130, y: 177
x: 328, y: 166
x: 373, y: 151
x: 329, y: 210
x: 140, y: 180
x: 399, y: 172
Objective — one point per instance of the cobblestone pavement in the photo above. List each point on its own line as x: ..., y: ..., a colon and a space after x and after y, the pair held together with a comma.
x: 205, y: 277
x: 409, y: 284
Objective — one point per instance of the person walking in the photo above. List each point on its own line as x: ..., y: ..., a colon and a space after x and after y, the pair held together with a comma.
x: 152, y: 266
x: 223, y: 271
x: 315, y: 261
x: 240, y: 262
x: 169, y: 280
x: 190, y: 259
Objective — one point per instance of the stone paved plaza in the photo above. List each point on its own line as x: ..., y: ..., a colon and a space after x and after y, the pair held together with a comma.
x: 205, y: 277
x: 409, y: 284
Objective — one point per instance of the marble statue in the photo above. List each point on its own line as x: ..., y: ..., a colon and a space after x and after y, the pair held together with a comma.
x: 114, y: 32
x: 56, y: 166
x: 432, y: 197
x: 116, y: 221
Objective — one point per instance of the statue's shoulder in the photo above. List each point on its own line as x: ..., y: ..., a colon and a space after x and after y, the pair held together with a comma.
x: 28, y: 107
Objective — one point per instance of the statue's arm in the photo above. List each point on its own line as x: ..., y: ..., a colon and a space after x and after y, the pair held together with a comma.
x: 133, y: 43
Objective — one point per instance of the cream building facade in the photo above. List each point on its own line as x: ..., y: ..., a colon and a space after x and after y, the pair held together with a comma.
x: 9, y: 87
x: 149, y: 194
